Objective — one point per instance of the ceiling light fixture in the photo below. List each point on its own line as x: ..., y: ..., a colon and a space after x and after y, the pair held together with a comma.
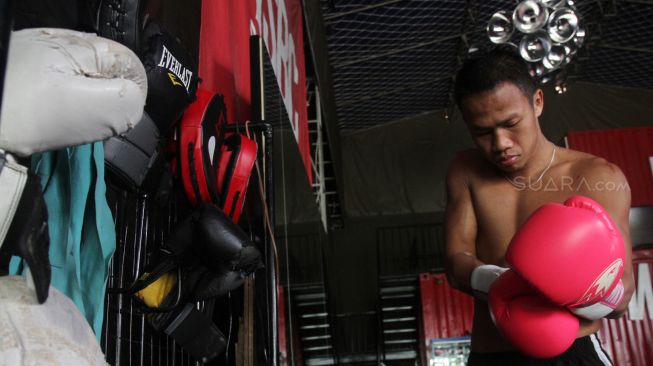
x: 548, y: 33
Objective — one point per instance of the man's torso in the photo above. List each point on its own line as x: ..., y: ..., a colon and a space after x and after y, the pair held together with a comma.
x: 500, y: 207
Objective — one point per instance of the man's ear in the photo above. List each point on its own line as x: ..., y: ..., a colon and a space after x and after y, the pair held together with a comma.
x: 538, y: 102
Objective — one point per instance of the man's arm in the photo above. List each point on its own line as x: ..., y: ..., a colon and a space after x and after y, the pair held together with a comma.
x: 609, y: 187
x: 459, y: 227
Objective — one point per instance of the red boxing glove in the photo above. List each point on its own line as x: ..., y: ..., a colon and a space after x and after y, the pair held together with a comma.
x: 531, y: 323
x: 573, y: 253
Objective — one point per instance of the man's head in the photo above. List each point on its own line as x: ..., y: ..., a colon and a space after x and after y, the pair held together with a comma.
x: 485, y: 72
x: 500, y: 103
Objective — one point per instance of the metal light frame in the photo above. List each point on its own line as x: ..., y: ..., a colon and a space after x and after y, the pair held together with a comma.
x: 548, y: 34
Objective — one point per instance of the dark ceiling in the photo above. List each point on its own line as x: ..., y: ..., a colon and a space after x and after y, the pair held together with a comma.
x: 396, y: 59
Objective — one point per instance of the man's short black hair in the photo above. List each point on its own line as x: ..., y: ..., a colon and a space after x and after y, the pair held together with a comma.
x: 484, y: 72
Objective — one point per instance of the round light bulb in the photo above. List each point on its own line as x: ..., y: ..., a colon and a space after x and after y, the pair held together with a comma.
x: 533, y: 47
x: 562, y: 25
x: 536, y: 69
x: 499, y: 28
x: 554, y: 4
x: 530, y: 16
x: 579, y: 37
x: 555, y: 58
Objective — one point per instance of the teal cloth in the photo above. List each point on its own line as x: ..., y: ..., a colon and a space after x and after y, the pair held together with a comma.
x: 81, y: 226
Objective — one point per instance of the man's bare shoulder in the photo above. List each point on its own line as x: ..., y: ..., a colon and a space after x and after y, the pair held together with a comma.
x: 594, y: 175
x: 593, y: 168
x: 469, y: 162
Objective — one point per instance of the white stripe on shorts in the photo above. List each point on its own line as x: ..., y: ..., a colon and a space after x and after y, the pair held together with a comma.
x: 599, y: 351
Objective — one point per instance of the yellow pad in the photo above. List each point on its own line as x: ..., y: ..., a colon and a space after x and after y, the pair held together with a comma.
x: 154, y: 294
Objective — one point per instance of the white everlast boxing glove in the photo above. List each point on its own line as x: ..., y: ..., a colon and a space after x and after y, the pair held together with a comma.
x: 483, y: 277
x: 65, y: 88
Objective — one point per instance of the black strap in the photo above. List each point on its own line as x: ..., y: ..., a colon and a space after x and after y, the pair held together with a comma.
x: 193, y: 173
x: 3, y: 158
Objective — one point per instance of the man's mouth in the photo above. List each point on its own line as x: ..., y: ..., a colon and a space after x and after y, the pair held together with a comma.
x: 508, y: 160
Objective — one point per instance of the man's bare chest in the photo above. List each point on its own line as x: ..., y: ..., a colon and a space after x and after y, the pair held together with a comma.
x: 500, y: 209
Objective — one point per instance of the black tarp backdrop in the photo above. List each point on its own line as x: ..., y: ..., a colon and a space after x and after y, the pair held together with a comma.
x: 6, y: 23
x: 181, y: 18
x: 71, y: 14
x: 400, y: 168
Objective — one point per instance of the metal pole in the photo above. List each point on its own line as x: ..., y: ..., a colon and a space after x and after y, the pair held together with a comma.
x: 272, y: 274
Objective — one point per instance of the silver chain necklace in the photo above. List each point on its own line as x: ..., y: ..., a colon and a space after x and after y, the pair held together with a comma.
x: 519, y: 185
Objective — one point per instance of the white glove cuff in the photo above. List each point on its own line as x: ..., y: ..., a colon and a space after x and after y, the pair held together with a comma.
x: 602, y: 308
x: 482, y: 278
x: 13, y: 177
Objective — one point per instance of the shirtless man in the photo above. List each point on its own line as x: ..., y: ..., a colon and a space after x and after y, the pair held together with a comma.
x: 493, y: 189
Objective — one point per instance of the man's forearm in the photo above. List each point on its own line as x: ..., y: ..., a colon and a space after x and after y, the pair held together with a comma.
x: 459, y: 268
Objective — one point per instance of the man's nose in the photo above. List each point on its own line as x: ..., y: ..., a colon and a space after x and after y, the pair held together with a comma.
x: 501, y: 140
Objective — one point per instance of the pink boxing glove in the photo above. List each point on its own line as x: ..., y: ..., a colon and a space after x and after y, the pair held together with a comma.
x: 534, y: 325
x: 572, y: 253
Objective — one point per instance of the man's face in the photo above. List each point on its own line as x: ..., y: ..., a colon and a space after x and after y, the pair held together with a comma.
x: 503, y: 124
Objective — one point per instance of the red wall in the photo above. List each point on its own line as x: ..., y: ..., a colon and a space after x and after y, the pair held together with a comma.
x: 628, y: 148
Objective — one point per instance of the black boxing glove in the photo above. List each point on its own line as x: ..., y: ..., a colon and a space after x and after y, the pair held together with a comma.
x: 123, y: 20
x: 172, y: 86
x: 171, y: 76
x: 131, y: 156
x: 222, y: 245
x: 193, y: 330
x: 24, y: 222
x: 206, y: 252
x: 216, y: 284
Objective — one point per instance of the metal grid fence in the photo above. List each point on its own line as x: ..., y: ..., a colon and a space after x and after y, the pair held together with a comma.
x: 141, y: 227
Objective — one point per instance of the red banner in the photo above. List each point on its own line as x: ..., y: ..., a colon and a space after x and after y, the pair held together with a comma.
x: 224, y: 57
x: 630, y: 149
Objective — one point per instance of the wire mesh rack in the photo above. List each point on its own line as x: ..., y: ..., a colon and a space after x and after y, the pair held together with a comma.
x: 143, y: 222
x: 141, y: 227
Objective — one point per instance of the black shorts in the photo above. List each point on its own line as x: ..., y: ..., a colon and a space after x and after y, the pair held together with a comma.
x: 584, y: 351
